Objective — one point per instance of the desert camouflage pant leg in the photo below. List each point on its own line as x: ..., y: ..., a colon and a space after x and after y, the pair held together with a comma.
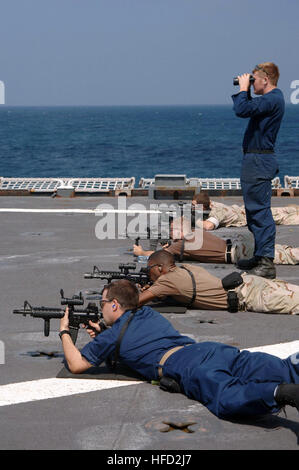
x: 286, y: 215
x: 235, y: 216
x: 229, y: 216
x: 258, y: 294
x: 243, y: 248
x: 285, y: 254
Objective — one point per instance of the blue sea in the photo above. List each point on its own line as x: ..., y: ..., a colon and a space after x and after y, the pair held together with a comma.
x: 139, y: 141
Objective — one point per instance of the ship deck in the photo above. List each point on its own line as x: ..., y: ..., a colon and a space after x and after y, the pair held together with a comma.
x: 44, y: 251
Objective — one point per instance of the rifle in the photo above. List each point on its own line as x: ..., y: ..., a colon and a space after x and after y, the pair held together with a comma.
x: 195, y: 212
x: 76, y: 317
x: 161, y: 231
x: 141, y: 277
x: 154, y: 237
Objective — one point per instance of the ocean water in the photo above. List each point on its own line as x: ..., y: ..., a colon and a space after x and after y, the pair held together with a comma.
x: 139, y: 141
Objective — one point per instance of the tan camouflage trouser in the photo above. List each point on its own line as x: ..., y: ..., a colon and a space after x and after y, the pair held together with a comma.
x: 228, y: 216
x: 235, y: 216
x: 243, y: 248
x: 259, y: 294
x: 286, y: 215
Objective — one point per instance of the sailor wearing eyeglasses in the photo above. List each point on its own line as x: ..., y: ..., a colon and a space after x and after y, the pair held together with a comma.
x: 226, y: 380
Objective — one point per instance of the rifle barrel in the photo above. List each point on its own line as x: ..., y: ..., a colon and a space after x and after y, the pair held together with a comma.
x: 45, y: 312
x: 42, y: 312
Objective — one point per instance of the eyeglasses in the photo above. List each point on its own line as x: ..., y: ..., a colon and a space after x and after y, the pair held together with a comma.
x: 102, y: 302
x: 151, y: 267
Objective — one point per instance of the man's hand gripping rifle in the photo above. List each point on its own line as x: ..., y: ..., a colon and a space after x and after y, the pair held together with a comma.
x: 77, y: 317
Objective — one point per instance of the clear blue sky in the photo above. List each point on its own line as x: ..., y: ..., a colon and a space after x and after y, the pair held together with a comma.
x: 136, y: 52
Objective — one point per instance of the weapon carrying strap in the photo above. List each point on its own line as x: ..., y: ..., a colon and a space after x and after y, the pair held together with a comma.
x: 193, y: 286
x: 113, y: 363
x: 182, y: 250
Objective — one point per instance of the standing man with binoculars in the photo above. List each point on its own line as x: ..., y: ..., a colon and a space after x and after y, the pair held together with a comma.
x: 259, y: 165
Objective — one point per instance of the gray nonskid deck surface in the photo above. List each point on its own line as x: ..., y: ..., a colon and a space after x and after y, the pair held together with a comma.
x: 42, y: 253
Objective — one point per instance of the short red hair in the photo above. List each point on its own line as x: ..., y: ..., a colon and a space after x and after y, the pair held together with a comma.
x: 270, y: 69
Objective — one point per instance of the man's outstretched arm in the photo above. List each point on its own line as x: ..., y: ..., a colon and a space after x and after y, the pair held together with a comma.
x: 145, y: 297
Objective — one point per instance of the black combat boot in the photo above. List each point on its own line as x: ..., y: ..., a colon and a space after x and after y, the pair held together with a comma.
x: 264, y: 268
x: 287, y: 394
x: 248, y: 263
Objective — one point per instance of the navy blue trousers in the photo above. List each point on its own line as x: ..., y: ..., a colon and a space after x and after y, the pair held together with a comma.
x: 257, y: 172
x: 229, y: 382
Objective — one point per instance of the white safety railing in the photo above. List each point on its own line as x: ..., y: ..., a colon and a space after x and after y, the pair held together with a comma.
x: 34, y: 184
x: 291, y: 182
x: 276, y: 183
x: 78, y: 184
x: 102, y: 184
x: 219, y: 183
x: 125, y: 184
x: 145, y: 183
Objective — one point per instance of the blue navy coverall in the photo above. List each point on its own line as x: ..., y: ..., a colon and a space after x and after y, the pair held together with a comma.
x: 228, y: 382
x: 258, y: 168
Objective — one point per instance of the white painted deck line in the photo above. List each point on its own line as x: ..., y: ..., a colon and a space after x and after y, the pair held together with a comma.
x: 36, y: 390
x: 282, y: 350
x: 80, y: 211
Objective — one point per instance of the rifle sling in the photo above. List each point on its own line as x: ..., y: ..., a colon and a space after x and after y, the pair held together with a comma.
x: 182, y: 250
x: 113, y: 363
x: 193, y: 286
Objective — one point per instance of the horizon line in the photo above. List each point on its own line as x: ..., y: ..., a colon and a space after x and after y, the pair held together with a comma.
x: 114, y: 105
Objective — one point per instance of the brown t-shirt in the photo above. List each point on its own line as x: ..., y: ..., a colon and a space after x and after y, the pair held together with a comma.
x: 211, y: 249
x: 177, y: 283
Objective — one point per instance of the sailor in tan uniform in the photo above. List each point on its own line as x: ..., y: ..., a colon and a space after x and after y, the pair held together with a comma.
x: 195, y: 287
x: 212, y: 249
x: 222, y: 215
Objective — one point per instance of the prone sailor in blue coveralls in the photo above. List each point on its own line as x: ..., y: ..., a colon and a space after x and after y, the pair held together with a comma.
x: 228, y: 382
x: 259, y: 165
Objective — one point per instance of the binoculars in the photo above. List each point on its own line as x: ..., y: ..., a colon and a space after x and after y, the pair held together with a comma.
x: 236, y: 80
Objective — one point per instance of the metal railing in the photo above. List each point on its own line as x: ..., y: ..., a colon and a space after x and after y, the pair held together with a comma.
x: 78, y: 184
x: 208, y: 183
x: 34, y: 184
x: 291, y: 182
x: 126, y: 184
